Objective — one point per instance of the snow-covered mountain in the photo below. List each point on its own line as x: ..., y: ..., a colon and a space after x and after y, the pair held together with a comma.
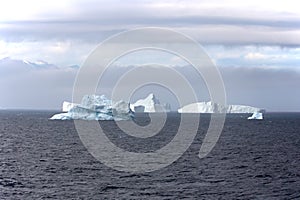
x: 9, y: 65
x: 9, y: 62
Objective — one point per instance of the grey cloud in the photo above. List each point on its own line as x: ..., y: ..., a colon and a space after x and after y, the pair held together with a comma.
x: 205, y: 34
x: 93, y: 22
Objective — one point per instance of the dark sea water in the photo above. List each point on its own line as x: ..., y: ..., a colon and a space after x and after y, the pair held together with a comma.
x: 44, y: 159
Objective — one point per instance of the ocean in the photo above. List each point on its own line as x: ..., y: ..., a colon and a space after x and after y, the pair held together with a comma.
x: 45, y: 159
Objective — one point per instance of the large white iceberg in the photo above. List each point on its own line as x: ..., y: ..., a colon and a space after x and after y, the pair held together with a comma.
x: 94, y: 107
x: 210, y: 107
x: 149, y: 105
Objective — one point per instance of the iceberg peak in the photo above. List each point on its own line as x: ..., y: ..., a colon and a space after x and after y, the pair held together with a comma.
x: 150, y: 104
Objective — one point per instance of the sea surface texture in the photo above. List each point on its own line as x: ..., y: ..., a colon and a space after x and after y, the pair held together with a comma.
x: 45, y: 159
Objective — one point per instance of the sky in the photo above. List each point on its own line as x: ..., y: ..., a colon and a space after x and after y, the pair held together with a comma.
x: 255, y: 44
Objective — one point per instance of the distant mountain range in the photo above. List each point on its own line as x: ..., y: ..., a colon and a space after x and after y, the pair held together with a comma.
x: 10, y: 65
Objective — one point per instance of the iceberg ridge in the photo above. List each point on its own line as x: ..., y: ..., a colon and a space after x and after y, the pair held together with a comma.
x: 150, y: 105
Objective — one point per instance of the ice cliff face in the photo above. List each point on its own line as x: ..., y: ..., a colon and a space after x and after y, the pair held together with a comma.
x: 149, y: 105
x: 256, y: 115
x: 68, y: 106
x: 210, y: 107
x: 94, y: 107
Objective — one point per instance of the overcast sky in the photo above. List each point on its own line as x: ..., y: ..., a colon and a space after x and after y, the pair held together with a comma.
x: 255, y: 44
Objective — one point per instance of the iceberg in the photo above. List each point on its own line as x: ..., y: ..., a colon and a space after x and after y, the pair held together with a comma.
x: 256, y: 115
x: 94, y: 107
x: 201, y: 107
x: 150, y: 105
x: 210, y: 107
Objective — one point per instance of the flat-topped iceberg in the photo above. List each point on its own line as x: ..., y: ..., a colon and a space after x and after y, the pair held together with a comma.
x: 94, y: 107
x: 149, y: 105
x: 210, y: 107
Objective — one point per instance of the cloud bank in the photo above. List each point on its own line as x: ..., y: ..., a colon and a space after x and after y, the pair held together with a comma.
x: 66, y: 31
